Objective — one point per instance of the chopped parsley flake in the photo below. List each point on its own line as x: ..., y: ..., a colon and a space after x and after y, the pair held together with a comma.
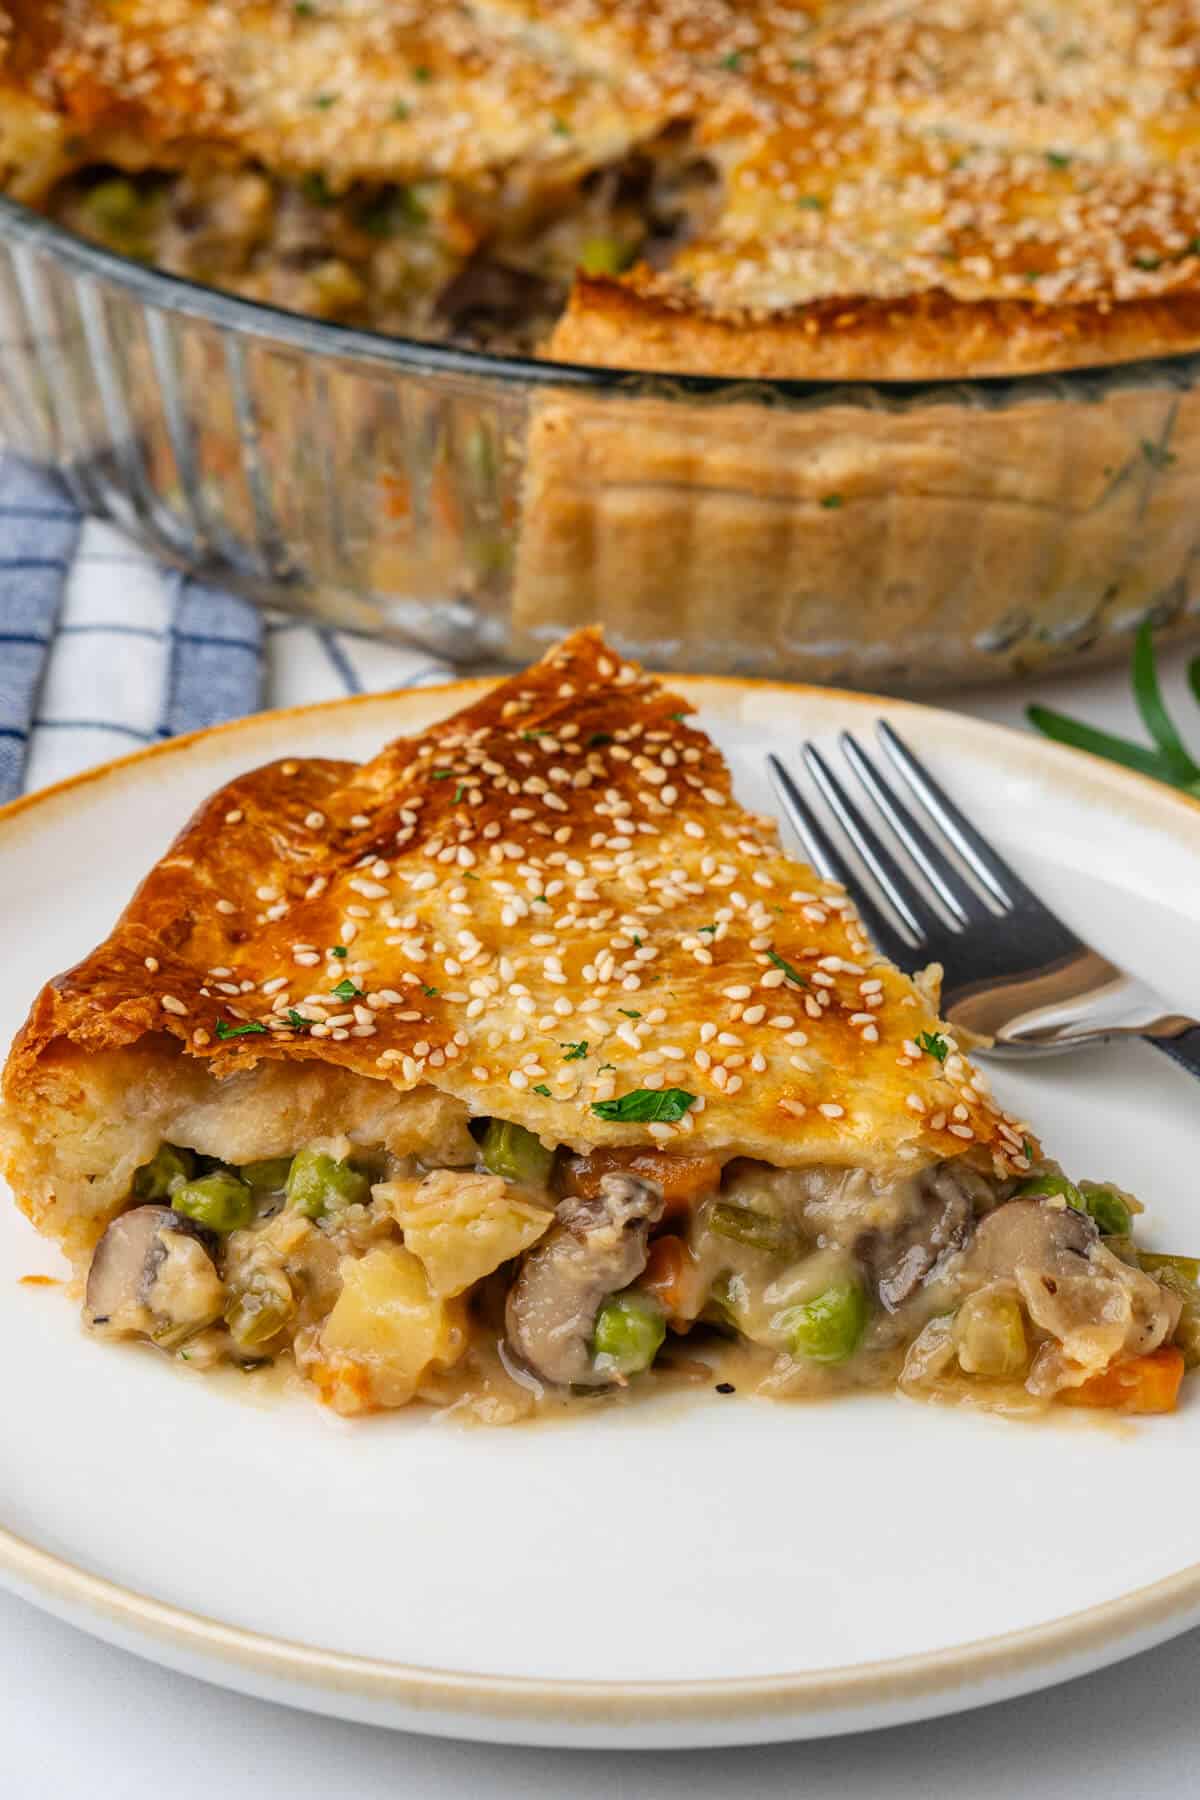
x: 811, y: 202
x: 599, y: 737
x: 663, y: 1106
x: 679, y: 717
x: 575, y: 1052
x: 324, y: 101
x: 346, y: 990
x: 561, y: 128
x: 791, y: 973
x: 459, y: 791
x: 711, y: 928
x: 400, y: 112
x: 831, y: 502
x: 297, y: 1019
x: 422, y: 74
x: 339, y: 950
x: 637, y: 942
x: 732, y: 61
x: 467, y: 876
x: 629, y: 1012
x: 431, y: 991
x: 304, y: 9
x: 535, y: 732
x: 250, y: 1029
x: 1057, y: 160
x: 543, y: 1090
x: 440, y: 774
x: 541, y: 900
x: 1027, y: 1147
x: 934, y: 1044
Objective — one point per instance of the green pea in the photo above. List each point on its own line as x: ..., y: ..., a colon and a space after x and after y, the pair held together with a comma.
x: 220, y: 1201
x: 604, y: 256
x: 167, y: 1170
x: 115, y: 208
x: 1105, y: 1206
x: 1051, y: 1187
x: 267, y: 1176
x: 756, y: 1229
x: 628, y: 1333
x: 1109, y: 1211
x: 830, y: 1327
x: 318, y: 1184
x: 516, y: 1154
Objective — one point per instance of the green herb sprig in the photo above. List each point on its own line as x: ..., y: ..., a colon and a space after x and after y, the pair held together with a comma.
x: 1169, y: 760
x: 665, y: 1106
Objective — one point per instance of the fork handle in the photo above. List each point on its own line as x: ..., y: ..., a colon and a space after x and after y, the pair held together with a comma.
x: 1184, y: 1049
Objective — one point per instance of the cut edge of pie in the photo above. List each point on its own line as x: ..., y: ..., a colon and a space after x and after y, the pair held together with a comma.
x: 520, y: 1060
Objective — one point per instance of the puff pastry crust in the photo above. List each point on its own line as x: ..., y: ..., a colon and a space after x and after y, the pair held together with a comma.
x: 955, y: 187
x: 547, y: 901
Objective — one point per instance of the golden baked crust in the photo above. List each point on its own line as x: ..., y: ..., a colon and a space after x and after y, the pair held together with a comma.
x: 545, y: 902
x: 950, y: 187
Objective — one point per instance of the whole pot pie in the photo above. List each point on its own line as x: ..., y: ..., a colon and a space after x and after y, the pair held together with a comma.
x: 520, y: 1066
x: 930, y: 191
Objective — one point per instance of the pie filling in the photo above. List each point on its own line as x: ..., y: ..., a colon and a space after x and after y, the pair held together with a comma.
x: 423, y: 259
x: 497, y: 1275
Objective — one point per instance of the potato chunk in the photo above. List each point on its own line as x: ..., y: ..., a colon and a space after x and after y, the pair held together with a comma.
x: 462, y: 1226
x: 386, y: 1331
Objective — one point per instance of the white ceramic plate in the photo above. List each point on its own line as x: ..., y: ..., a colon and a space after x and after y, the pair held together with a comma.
x: 690, y: 1571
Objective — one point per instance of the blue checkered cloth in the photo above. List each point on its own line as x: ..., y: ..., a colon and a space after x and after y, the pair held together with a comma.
x: 101, y: 650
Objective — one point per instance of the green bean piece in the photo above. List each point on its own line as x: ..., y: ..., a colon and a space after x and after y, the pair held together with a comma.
x: 829, y: 1328
x: 167, y: 1170
x: 605, y: 256
x: 268, y: 1176
x: 1179, y: 1272
x: 1109, y: 1211
x: 318, y: 1184
x: 220, y: 1201
x: 260, y: 1311
x: 628, y: 1335
x: 516, y: 1154
x: 745, y: 1226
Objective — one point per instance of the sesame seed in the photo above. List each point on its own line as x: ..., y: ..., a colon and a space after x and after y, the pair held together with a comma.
x: 170, y: 1004
x: 831, y: 1110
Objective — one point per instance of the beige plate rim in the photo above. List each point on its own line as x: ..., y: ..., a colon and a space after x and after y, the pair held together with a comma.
x: 1005, y: 1663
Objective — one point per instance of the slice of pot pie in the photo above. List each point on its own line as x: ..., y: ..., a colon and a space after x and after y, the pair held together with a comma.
x: 521, y: 1063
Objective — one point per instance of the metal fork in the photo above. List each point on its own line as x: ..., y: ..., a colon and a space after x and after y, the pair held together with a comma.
x: 1013, y: 971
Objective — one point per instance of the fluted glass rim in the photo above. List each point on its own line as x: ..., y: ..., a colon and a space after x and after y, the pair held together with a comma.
x: 324, y: 338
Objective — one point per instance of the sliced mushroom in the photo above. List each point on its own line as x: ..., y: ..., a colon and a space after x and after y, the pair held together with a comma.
x: 1052, y: 1239
x: 152, y: 1276
x: 598, y: 1247
x: 948, y: 1196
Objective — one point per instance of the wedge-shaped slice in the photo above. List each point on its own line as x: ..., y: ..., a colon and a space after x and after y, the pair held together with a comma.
x: 550, y: 912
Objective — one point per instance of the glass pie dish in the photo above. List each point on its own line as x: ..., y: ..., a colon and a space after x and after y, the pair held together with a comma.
x: 895, y: 536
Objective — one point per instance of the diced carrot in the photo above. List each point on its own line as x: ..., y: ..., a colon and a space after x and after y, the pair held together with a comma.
x: 666, y: 1272
x: 1145, y: 1384
x: 681, y: 1178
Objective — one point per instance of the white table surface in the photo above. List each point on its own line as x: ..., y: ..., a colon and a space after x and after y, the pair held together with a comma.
x: 80, y: 1719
